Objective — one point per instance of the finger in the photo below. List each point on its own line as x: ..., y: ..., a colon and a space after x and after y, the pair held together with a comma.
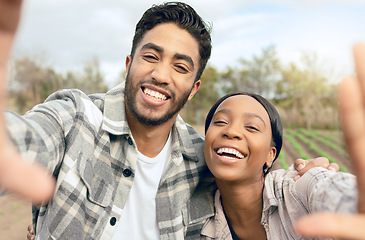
x: 299, y: 164
x: 329, y: 225
x: 30, y: 236
x: 352, y: 114
x: 359, y: 60
x: 333, y: 167
x: 30, y: 228
x: 9, y: 15
x: 316, y: 162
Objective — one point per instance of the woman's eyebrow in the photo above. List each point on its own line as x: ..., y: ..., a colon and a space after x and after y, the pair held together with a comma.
x: 223, y: 111
x: 255, y: 116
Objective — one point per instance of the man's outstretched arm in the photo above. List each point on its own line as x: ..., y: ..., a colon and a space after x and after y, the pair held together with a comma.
x: 16, y: 175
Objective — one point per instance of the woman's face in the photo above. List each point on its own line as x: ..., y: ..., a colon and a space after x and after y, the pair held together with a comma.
x: 238, y: 140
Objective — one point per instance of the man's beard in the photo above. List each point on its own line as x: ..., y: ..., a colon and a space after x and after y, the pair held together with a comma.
x: 130, y: 99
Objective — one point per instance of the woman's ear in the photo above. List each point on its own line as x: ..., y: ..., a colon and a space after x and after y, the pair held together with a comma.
x: 271, y: 157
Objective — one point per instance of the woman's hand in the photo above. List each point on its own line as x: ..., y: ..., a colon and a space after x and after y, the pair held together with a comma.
x: 352, y: 112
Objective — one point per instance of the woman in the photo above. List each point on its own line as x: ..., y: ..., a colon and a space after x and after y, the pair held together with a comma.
x: 243, y: 139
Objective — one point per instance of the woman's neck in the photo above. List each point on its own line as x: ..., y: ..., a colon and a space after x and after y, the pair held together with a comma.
x: 242, y: 205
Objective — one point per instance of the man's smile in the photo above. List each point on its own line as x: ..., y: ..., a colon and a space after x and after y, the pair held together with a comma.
x: 154, y: 94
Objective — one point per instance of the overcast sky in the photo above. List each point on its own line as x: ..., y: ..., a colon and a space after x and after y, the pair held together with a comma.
x: 71, y: 32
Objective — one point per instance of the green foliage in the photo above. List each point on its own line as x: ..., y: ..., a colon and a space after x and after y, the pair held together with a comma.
x: 325, y: 140
x: 196, y: 109
x: 291, y: 139
x: 282, y: 160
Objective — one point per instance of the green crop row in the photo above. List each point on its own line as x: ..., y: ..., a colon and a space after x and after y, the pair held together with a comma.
x: 317, y: 150
x: 324, y: 140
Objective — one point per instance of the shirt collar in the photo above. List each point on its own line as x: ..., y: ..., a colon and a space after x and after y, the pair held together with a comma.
x: 115, y: 120
x: 217, y: 225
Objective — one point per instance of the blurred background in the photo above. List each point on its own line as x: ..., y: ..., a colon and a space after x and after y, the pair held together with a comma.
x: 291, y: 52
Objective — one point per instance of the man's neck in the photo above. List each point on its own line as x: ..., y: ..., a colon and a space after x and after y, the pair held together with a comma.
x: 150, y: 140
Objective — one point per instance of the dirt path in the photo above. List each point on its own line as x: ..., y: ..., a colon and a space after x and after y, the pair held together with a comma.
x: 15, y: 216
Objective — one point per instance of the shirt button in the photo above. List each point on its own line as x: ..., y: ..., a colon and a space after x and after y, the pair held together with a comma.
x: 130, y: 142
x: 127, y: 172
x: 113, y: 221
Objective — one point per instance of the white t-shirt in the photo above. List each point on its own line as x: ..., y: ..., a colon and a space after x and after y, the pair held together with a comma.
x: 138, y: 220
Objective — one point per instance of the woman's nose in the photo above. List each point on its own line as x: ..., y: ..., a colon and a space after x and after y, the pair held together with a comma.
x: 233, y: 132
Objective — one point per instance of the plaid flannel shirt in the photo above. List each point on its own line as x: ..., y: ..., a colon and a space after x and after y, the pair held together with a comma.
x: 284, y: 201
x: 85, y: 141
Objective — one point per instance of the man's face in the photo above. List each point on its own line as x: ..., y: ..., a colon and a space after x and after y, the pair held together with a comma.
x: 160, y: 77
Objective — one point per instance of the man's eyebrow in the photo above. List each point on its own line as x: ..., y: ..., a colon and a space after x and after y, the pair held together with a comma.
x: 186, y: 58
x: 176, y: 56
x: 153, y: 46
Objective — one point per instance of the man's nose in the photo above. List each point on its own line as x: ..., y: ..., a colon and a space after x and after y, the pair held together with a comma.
x: 162, y: 73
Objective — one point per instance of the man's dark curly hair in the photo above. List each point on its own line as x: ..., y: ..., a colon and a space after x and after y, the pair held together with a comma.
x: 183, y: 16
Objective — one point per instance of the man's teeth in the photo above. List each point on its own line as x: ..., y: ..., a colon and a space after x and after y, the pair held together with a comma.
x: 230, y: 151
x: 154, y: 94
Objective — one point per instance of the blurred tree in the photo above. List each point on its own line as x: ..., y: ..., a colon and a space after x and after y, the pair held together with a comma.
x: 31, y: 82
x: 195, y: 110
x: 25, y: 86
x: 259, y: 74
x: 305, y: 94
x: 92, y: 81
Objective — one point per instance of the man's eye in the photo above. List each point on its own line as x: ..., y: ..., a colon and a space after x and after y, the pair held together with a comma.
x: 181, y: 68
x: 150, y: 57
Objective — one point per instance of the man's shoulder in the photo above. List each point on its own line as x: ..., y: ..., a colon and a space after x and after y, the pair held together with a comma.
x: 190, y: 141
x: 78, y: 98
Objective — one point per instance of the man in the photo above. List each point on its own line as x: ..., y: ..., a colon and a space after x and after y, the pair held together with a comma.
x: 125, y: 162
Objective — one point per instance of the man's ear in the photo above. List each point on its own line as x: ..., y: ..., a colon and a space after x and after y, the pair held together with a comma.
x: 194, y: 89
x: 271, y: 157
x: 128, y: 61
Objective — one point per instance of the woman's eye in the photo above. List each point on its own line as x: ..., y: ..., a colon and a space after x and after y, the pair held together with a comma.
x: 219, y: 122
x: 252, y: 128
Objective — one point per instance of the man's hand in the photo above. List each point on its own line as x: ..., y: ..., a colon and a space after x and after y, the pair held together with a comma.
x: 16, y: 175
x: 352, y: 109
x: 302, y: 166
x: 30, y: 234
